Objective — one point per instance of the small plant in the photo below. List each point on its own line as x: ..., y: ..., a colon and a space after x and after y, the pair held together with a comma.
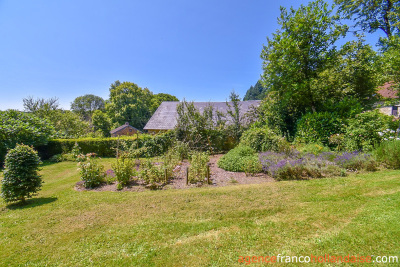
x: 124, y: 170
x: 151, y: 174
x: 21, y: 178
x: 233, y: 181
x: 388, y: 153
x: 76, y: 151
x: 92, y: 173
x: 337, y: 140
x: 252, y: 165
x: 56, y: 158
x: 237, y: 159
x: 198, y: 167
x: 181, y: 150
x: 110, y: 176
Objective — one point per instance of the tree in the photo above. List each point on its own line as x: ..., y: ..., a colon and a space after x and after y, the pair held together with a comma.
x: 21, y: 178
x: 85, y: 105
x: 233, y: 113
x: 20, y: 127
x: 101, y: 122
x: 256, y: 92
x: 295, y: 57
x: 40, y: 105
x: 391, y: 60
x: 159, y: 98
x: 373, y: 15
x: 129, y: 103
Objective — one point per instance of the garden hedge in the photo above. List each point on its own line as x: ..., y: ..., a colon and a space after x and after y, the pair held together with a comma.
x: 106, y: 147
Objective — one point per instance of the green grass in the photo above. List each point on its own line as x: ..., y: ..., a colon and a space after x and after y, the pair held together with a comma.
x: 200, y: 226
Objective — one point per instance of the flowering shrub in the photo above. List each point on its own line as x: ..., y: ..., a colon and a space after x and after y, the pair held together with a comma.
x: 297, y: 166
x: 92, y: 173
x: 365, y: 131
x: 355, y: 161
x: 110, y: 176
x: 152, y: 174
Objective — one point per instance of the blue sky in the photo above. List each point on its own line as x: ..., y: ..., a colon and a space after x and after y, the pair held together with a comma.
x: 198, y: 50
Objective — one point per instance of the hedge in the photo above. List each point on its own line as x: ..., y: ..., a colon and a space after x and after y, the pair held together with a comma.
x: 106, y: 147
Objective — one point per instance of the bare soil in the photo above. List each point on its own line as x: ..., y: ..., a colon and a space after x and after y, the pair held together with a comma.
x: 218, y: 177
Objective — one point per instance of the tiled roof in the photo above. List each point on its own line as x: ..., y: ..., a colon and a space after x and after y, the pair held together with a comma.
x: 122, y: 127
x: 165, y: 117
x: 388, y: 91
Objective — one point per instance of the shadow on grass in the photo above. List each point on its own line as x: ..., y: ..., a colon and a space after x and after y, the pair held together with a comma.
x: 31, y: 203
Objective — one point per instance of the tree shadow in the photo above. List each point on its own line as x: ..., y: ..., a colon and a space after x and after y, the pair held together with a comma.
x: 31, y: 203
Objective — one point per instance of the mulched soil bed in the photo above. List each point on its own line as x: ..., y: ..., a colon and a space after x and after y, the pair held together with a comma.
x: 219, y: 177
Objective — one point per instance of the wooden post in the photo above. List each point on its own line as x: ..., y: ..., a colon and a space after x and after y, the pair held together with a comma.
x: 187, y: 175
x: 165, y: 175
x: 118, y: 147
x: 208, y: 173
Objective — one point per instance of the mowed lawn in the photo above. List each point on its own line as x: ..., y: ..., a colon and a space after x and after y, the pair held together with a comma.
x: 359, y: 214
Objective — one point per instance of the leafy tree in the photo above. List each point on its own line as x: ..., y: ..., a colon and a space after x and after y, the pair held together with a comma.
x: 294, y: 58
x: 159, y: 98
x: 21, y: 178
x: 373, y: 15
x: 129, y: 103
x: 256, y: 92
x: 85, y: 105
x: 101, y: 122
x: 68, y: 124
x: 20, y: 127
x: 391, y: 60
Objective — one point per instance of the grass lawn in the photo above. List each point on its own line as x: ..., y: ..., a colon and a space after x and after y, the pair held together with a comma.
x: 359, y: 214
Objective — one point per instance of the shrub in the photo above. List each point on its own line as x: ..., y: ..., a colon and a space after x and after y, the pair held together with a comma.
x: 252, y: 165
x: 92, y: 173
x: 151, y: 174
x: 240, y: 159
x: 264, y: 139
x: 56, y: 158
x: 124, y: 170
x: 313, y: 148
x: 181, y: 150
x: 363, y: 132
x: 20, y: 127
x: 317, y: 127
x: 198, y: 167
x: 21, y: 178
x: 299, y: 166
x: 388, y: 153
x: 356, y: 161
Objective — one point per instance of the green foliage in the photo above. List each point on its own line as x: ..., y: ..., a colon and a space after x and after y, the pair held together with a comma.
x: 362, y: 132
x: 337, y: 140
x: 198, y: 167
x: 21, y: 178
x: 124, y: 170
x: 92, y: 172
x: 252, y: 165
x: 159, y: 98
x: 19, y: 127
x: 388, y: 153
x: 255, y: 93
x: 85, y: 105
x: 263, y: 139
x: 181, y: 150
x: 240, y: 159
x: 101, y: 122
x: 294, y: 58
x: 317, y: 127
x: 313, y: 148
x: 373, y: 15
x: 391, y: 61
x: 204, y: 131
x: 129, y: 103
x: 153, y: 175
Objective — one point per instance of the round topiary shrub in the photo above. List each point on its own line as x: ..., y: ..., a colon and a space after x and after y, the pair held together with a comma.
x: 21, y: 178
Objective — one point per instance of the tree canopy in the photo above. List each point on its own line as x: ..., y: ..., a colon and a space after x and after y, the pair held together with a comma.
x: 85, y: 105
x: 256, y: 92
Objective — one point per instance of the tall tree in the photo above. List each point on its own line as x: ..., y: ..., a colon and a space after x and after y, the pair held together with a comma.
x: 101, y: 122
x: 85, y: 105
x: 129, y: 103
x: 40, y: 105
x: 297, y: 54
x: 159, y: 98
x: 373, y: 15
x: 256, y: 92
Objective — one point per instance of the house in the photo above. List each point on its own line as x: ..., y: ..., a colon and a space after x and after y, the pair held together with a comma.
x: 165, y: 117
x: 125, y: 129
x: 389, y: 105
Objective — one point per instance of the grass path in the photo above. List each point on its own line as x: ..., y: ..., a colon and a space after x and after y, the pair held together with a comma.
x: 200, y: 226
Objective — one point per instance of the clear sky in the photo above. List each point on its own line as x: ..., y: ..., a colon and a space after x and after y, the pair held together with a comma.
x: 198, y: 50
